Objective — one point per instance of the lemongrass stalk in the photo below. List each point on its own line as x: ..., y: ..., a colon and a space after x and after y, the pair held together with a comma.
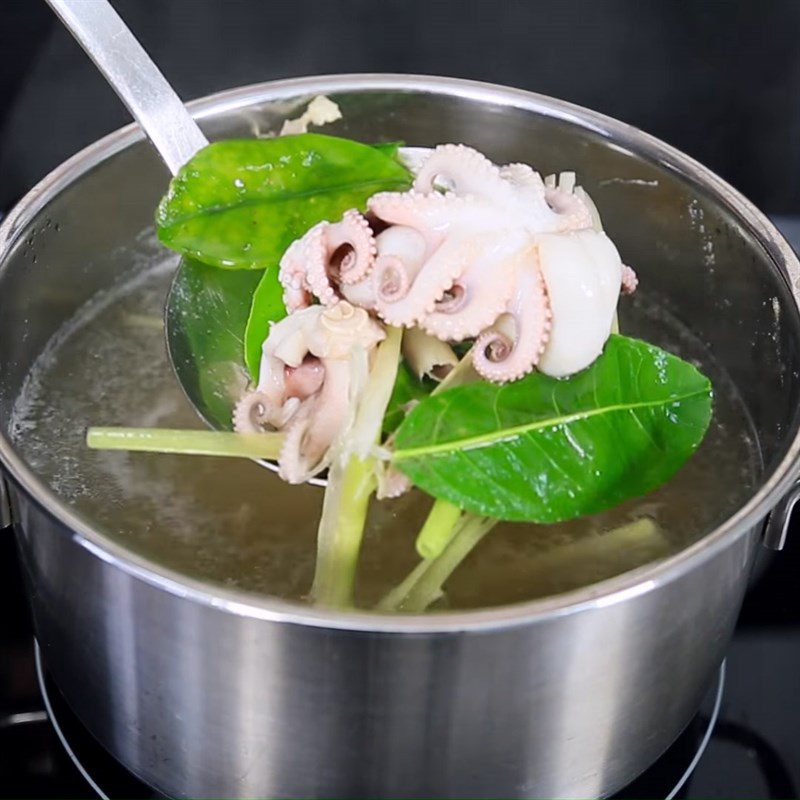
x: 626, y: 546
x: 377, y: 393
x: 341, y: 529
x: 423, y: 586
x: 438, y: 529
x: 429, y: 587
x: 444, y: 520
x: 393, y: 600
x: 186, y: 442
x: 351, y: 482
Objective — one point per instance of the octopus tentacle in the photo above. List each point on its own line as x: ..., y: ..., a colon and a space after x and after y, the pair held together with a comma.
x: 401, y: 255
x: 456, y: 322
x: 459, y: 169
x: 293, y: 465
x: 303, y: 271
x: 361, y: 294
x: 351, y: 248
x: 250, y: 413
x: 392, y: 483
x: 528, y: 201
x: 255, y: 412
x: 284, y: 345
x: 271, y: 379
x: 292, y: 274
x: 437, y: 216
x: 512, y: 348
x: 523, y: 176
x: 583, y: 195
x: 474, y: 300
x: 629, y: 280
x: 405, y: 308
x: 429, y: 214
x: 569, y: 207
x: 326, y: 257
x: 318, y: 276
x: 314, y: 428
x: 493, y: 346
x: 393, y: 278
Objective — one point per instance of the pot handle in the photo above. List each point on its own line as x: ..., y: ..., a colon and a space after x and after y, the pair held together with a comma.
x: 778, y: 520
x: 5, y: 505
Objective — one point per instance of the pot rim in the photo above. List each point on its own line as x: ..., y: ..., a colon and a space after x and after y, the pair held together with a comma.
x: 605, y: 593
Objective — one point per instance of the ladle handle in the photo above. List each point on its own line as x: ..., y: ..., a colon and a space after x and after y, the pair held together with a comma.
x: 134, y: 77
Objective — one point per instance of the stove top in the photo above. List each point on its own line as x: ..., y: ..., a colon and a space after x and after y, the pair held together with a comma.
x: 745, y: 746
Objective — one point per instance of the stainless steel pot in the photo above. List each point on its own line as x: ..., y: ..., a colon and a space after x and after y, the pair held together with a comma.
x: 203, y: 691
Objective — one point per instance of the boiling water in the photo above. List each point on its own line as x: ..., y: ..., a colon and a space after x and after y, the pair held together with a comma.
x: 235, y: 523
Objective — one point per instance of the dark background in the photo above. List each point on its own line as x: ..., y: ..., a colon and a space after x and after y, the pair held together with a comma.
x: 720, y: 80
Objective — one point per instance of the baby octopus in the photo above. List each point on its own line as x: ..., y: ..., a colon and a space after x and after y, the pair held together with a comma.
x: 314, y: 365
x: 504, y: 259
x: 474, y: 251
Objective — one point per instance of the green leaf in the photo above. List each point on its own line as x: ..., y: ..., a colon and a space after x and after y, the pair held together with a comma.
x: 240, y: 203
x: 207, y: 312
x: 546, y: 450
x: 390, y: 149
x: 407, y: 389
x: 266, y: 307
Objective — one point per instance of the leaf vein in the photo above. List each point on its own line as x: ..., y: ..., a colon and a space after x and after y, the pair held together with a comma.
x: 492, y: 437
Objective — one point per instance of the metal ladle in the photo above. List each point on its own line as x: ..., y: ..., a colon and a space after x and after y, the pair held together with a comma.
x: 165, y: 120
x: 154, y: 104
x: 132, y: 74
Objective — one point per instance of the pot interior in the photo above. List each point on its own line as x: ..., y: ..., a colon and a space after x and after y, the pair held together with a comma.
x: 82, y: 288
